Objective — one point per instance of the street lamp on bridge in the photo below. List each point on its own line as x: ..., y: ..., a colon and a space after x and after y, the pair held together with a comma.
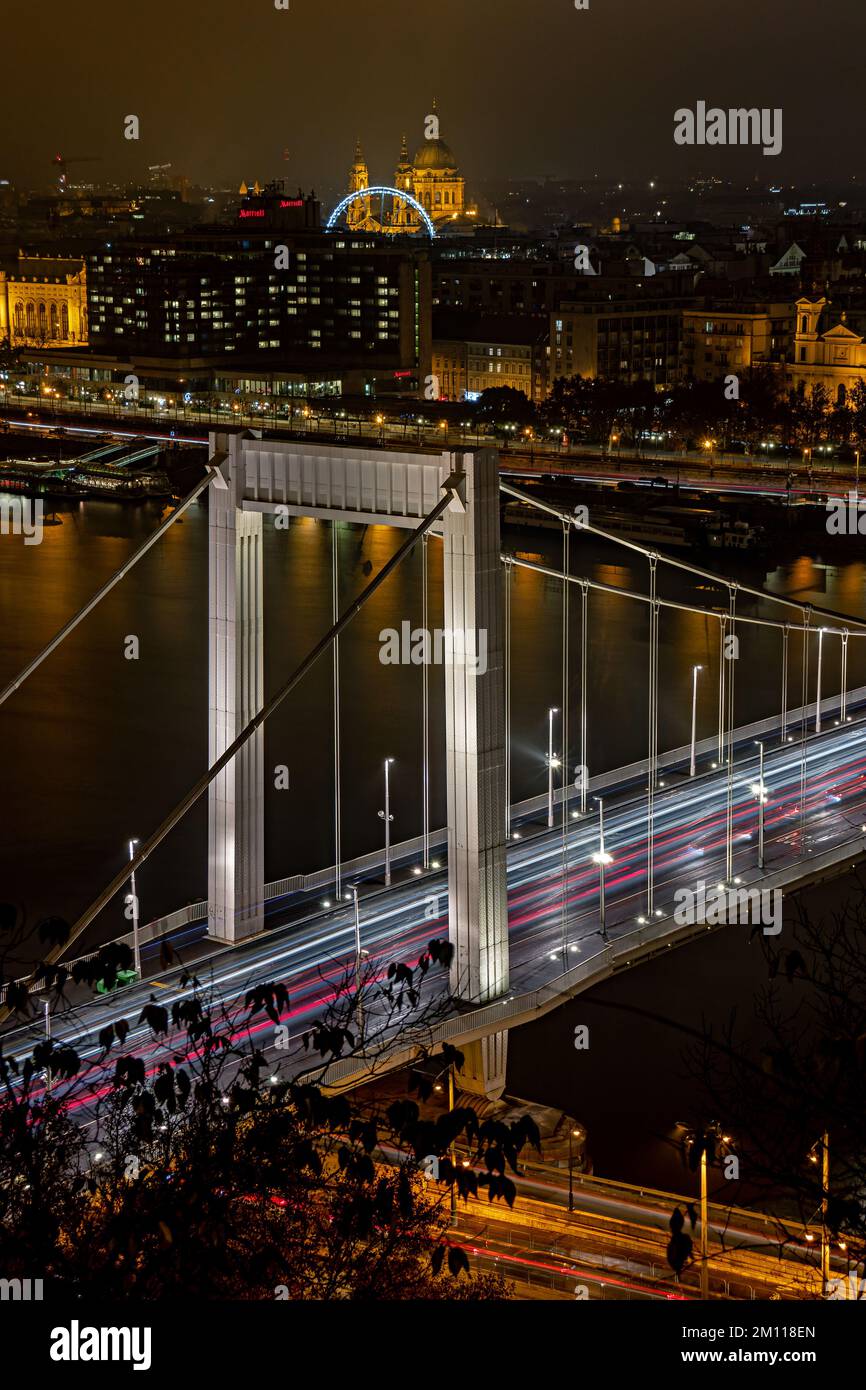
x: 602, y: 859
x: 695, y: 670
x: 759, y: 789
x: 552, y: 763
x: 387, y: 818
x: 818, y: 691
x: 572, y: 1134
x: 132, y: 901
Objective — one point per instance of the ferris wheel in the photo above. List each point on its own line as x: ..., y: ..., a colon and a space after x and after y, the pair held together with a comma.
x: 390, y: 201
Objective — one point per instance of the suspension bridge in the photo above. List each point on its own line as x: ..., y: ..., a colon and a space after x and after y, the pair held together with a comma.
x: 541, y: 898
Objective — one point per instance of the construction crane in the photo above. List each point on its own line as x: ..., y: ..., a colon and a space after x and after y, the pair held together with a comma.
x: 61, y: 163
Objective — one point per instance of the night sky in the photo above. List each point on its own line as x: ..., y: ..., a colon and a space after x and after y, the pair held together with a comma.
x: 526, y: 88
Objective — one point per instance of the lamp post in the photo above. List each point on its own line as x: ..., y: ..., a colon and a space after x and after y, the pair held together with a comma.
x: 133, y: 900
x: 387, y: 818
x: 572, y: 1134
x: 552, y: 762
x: 821, y: 632
x: 825, y: 1203
x: 759, y: 790
x: 703, y: 1146
x: 695, y: 670
x: 453, y: 1150
x: 602, y: 859
x: 705, y: 1259
x: 823, y: 1148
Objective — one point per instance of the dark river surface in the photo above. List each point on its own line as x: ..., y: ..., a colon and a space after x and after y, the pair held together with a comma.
x: 97, y: 748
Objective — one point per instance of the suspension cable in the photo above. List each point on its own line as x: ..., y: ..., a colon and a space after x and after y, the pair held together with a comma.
x: 114, y: 579
x: 598, y: 584
x: 718, y: 579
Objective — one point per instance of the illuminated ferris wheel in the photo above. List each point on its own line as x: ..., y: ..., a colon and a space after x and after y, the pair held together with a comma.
x: 383, y: 209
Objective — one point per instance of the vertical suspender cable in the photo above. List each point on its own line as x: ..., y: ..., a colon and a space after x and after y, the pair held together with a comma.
x: 803, y: 728
x: 335, y: 610
x: 652, y: 738
x: 584, y: 709
x: 509, y: 578
x: 786, y: 632
x: 566, y: 760
x: 425, y: 713
x: 723, y: 628
x: 729, y: 810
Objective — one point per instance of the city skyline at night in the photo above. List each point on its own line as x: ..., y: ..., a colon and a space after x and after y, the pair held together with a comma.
x: 432, y: 683
x: 526, y: 90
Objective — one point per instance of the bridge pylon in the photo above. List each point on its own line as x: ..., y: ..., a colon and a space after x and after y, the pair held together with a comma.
x: 236, y: 837
x: 475, y: 754
x: 367, y: 486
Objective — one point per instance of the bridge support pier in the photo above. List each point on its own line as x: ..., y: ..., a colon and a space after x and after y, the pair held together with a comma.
x: 475, y: 753
x: 236, y: 867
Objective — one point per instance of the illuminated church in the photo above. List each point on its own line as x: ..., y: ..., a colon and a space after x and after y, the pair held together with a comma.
x: 432, y: 178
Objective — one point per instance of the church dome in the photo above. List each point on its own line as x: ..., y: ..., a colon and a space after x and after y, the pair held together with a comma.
x: 435, y: 154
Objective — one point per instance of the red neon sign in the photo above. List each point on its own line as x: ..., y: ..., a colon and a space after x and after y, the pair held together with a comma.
x: 251, y: 212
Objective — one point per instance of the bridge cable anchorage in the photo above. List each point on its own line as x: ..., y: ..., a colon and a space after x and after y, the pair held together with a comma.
x: 722, y: 581
x: 214, y: 476
x: 450, y: 488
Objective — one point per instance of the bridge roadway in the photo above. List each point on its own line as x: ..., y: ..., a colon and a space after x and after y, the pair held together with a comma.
x: 549, y: 963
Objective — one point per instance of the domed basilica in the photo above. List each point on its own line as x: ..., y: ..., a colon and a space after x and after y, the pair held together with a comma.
x: 432, y: 178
